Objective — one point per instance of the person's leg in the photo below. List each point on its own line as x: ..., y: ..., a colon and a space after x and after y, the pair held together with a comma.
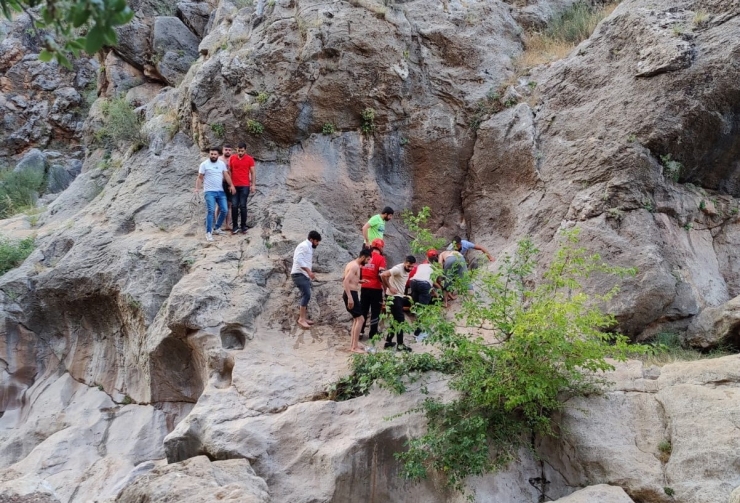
x: 304, y: 285
x: 223, y: 209
x: 234, y: 205
x: 398, y: 317
x: 376, y: 300
x: 243, y: 208
x: 365, y: 304
x: 210, y: 208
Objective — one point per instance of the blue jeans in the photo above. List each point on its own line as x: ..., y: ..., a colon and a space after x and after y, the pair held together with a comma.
x: 239, y: 207
x: 214, y: 197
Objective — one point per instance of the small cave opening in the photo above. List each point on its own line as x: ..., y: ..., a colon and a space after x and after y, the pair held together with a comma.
x: 176, y: 374
x: 233, y: 336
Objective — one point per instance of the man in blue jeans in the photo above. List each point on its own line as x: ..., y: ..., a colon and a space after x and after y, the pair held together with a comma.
x: 211, y: 175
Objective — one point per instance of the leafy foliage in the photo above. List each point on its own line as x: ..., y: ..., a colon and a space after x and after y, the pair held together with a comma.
x: 122, y: 125
x: 19, y: 190
x: 66, y: 19
x: 514, y: 350
x: 574, y: 24
x: 673, y: 168
x: 368, y: 121
x: 328, y: 128
x: 13, y: 253
x: 255, y: 127
x: 424, y: 239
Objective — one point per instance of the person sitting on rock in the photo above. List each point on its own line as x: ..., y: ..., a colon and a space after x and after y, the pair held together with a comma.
x: 241, y: 167
x: 302, y: 275
x: 394, y: 280
x: 351, y: 283
x: 375, y: 227
x: 213, y: 176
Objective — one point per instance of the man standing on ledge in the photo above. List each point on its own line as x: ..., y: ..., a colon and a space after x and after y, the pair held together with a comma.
x: 302, y: 275
x: 212, y: 173
x: 351, y: 285
x: 371, y: 293
x: 375, y: 227
x: 241, y: 167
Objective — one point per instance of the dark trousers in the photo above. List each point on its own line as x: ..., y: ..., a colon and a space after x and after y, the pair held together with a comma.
x: 239, y: 207
x: 371, y: 299
x: 397, y: 312
x: 421, y: 293
x: 304, y: 285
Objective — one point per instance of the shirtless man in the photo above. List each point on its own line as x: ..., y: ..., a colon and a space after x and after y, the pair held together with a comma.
x: 351, y: 284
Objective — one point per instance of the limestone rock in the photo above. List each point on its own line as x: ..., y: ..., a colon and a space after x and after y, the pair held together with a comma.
x: 601, y: 493
x: 197, y: 480
x: 32, y: 162
x: 134, y: 41
x: 175, y: 47
x: 735, y: 496
x: 119, y: 76
x: 195, y: 16
x: 716, y: 326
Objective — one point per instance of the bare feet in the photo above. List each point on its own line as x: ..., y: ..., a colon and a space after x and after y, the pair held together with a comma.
x: 310, y: 322
x: 357, y: 350
x: 304, y: 324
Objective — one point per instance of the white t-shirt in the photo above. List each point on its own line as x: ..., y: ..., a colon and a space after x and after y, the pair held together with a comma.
x: 398, y: 279
x: 302, y: 257
x: 423, y: 273
x: 213, y: 175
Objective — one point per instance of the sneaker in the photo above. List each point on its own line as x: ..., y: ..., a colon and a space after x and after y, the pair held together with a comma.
x: 235, y: 232
x: 403, y: 347
x: 421, y: 336
x: 389, y: 345
x: 244, y: 230
x: 218, y: 232
x: 209, y: 237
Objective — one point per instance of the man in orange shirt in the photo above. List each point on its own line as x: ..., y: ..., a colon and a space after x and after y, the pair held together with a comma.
x: 241, y: 168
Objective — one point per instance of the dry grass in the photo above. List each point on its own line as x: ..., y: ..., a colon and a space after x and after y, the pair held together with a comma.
x: 667, y: 348
x: 565, y: 31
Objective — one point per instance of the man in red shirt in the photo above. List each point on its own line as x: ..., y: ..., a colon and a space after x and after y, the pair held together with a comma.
x: 371, y: 293
x: 241, y: 168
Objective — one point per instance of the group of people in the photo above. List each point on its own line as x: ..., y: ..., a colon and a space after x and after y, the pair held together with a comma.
x: 226, y: 180
x: 368, y: 283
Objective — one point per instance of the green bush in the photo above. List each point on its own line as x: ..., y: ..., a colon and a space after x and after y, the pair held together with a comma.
x: 368, y: 121
x: 19, y: 190
x: 13, y: 253
x: 255, y: 127
x: 518, y: 346
x: 574, y: 24
x: 328, y: 128
x: 122, y: 125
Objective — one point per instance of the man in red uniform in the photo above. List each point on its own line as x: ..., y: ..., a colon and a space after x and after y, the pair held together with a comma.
x: 241, y: 168
x: 371, y: 293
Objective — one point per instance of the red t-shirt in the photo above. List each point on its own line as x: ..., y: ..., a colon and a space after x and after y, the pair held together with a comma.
x: 240, y: 170
x: 371, y: 271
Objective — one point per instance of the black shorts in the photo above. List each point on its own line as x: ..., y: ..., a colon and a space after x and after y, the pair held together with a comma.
x: 356, y: 310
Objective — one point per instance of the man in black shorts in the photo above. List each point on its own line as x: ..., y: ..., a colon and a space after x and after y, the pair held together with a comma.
x: 351, y: 284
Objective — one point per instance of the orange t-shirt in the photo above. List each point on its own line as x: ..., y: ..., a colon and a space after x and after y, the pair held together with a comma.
x: 240, y: 170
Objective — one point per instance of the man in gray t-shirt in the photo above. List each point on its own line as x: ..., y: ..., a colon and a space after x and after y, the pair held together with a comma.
x: 211, y: 175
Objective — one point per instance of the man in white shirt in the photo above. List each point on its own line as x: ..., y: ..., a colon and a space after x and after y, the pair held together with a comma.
x: 302, y: 275
x: 421, y: 283
x: 212, y: 174
x: 394, y: 280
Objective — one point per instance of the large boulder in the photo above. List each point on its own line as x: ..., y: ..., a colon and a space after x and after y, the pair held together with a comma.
x: 716, y: 326
x: 195, y: 15
x: 175, y: 48
x: 601, y: 493
x: 33, y: 162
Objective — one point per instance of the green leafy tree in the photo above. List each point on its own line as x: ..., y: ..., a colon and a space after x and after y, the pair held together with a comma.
x: 68, y: 27
x: 518, y: 345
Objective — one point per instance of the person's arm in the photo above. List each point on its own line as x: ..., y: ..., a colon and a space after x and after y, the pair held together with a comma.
x: 346, y: 283
x: 480, y: 248
x: 365, y: 228
x: 199, y: 182
x: 227, y: 177
x: 252, y: 179
x: 303, y: 264
x: 384, y: 278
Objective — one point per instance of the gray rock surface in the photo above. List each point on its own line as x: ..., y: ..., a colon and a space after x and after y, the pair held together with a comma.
x: 716, y: 326
x: 601, y: 493
x: 175, y: 48
x: 33, y: 161
x: 195, y: 16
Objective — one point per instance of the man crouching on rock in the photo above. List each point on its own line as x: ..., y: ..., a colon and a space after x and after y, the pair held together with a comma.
x: 351, y: 284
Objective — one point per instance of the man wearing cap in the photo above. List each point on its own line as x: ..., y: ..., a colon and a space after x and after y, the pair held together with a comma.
x: 371, y: 292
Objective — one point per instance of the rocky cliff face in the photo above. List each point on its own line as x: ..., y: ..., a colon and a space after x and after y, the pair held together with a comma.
x: 128, y: 343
